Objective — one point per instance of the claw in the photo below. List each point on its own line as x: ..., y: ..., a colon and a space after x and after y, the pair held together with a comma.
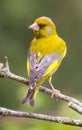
x: 55, y: 92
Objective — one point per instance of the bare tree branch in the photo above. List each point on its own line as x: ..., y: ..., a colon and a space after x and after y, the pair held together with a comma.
x: 56, y: 119
x: 72, y: 102
x: 5, y: 72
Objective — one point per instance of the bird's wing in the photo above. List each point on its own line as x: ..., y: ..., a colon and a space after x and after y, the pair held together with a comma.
x: 40, y: 66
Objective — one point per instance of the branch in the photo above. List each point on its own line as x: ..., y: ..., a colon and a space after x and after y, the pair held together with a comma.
x: 57, y: 119
x: 5, y: 72
x: 72, y: 102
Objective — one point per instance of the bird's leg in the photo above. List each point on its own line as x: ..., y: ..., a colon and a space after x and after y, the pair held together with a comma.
x: 54, y: 91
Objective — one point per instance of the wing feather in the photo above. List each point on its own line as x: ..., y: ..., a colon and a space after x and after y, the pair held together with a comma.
x: 41, y: 67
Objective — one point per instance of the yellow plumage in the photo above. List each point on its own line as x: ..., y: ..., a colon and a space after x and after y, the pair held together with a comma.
x: 45, y: 54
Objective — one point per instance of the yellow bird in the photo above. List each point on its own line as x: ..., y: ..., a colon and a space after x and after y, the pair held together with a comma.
x: 45, y: 55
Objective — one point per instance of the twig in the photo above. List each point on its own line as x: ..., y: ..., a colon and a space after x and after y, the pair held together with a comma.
x: 72, y: 102
x: 5, y: 72
x: 56, y: 119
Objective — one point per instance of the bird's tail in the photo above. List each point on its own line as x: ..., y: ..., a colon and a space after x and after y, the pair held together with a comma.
x: 30, y: 96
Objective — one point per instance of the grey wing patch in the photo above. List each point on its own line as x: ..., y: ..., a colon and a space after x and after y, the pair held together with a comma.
x: 37, y: 68
x: 47, y: 60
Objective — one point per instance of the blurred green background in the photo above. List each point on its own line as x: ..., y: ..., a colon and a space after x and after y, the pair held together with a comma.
x: 15, y: 16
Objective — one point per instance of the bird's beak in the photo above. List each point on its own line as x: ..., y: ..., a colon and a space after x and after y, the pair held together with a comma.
x: 34, y: 27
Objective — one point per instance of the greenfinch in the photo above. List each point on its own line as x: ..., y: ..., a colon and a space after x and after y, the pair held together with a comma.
x: 45, y: 55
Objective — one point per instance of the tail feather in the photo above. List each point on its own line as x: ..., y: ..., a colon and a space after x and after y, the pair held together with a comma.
x: 29, y: 98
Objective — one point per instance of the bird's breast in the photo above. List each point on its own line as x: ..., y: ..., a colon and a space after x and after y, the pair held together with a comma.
x: 48, y: 45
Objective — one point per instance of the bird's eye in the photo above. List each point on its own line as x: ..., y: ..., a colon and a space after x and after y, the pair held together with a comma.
x: 42, y: 25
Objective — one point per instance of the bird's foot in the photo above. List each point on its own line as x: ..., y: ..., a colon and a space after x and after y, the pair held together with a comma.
x: 55, y: 92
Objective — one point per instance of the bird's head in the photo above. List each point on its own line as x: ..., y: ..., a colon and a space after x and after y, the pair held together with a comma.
x: 43, y: 27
